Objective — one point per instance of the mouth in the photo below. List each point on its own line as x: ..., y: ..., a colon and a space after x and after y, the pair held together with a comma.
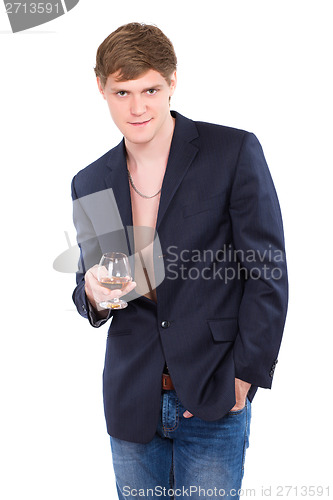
x: 140, y: 124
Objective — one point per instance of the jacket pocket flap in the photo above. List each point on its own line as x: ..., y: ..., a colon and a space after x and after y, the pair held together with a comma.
x: 116, y: 333
x: 201, y: 206
x: 224, y: 330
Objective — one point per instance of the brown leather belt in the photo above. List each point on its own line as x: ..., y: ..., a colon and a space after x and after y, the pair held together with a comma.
x: 167, y: 384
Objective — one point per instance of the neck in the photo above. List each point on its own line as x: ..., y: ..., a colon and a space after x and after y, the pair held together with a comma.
x: 154, y: 152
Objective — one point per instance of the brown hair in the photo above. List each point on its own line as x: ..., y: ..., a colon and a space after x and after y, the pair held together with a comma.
x: 132, y: 50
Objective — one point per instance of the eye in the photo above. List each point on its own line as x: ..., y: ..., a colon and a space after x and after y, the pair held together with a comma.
x: 151, y: 91
x: 122, y: 93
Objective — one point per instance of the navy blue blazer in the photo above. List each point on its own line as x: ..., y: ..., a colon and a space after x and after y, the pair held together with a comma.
x: 221, y: 307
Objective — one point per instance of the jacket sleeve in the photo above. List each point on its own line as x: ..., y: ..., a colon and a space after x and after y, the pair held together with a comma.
x: 90, y: 254
x: 259, y: 244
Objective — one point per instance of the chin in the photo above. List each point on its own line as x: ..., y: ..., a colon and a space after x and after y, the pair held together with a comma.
x: 135, y: 139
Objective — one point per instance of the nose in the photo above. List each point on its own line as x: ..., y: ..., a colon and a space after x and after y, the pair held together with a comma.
x: 138, y: 106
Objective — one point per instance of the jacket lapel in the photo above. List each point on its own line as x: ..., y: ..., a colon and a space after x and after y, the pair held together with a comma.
x: 117, y: 180
x: 182, y: 153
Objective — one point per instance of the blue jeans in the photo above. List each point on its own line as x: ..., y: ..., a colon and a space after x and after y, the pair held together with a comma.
x: 188, y: 457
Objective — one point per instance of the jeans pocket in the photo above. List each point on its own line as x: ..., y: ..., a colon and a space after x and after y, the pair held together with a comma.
x: 238, y: 412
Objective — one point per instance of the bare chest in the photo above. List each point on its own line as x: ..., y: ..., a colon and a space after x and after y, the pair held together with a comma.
x: 144, y: 214
x: 144, y: 211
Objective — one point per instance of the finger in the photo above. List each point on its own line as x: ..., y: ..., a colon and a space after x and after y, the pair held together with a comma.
x: 129, y: 287
x: 238, y: 406
x: 102, y: 293
x: 93, y: 270
x: 117, y: 293
x: 187, y: 414
x: 91, y: 275
x: 111, y: 294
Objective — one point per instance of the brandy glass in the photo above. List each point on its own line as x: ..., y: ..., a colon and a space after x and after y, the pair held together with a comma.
x: 114, y: 273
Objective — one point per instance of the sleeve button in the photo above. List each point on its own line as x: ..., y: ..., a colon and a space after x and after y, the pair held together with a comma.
x: 271, y: 373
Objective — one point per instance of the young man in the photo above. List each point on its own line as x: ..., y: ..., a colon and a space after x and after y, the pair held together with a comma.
x: 185, y: 358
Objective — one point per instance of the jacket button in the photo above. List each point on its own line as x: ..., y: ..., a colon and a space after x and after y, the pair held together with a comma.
x: 271, y: 373
x: 165, y: 324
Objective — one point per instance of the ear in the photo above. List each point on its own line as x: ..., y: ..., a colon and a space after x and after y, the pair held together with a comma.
x: 173, y: 83
x: 100, y: 87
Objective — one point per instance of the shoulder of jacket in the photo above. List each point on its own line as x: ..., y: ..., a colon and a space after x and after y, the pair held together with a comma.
x: 89, y: 179
x: 100, y: 163
x: 217, y: 129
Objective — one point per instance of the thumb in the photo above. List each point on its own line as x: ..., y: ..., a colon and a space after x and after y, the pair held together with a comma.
x: 187, y: 414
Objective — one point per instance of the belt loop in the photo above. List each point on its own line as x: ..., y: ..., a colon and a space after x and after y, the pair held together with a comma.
x: 167, y: 384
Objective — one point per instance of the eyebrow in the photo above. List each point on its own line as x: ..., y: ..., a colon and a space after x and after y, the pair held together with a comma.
x: 123, y: 89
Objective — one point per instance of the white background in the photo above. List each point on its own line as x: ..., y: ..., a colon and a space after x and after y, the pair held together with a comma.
x: 261, y: 65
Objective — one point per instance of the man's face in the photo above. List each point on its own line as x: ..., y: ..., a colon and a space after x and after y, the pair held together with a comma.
x: 140, y: 108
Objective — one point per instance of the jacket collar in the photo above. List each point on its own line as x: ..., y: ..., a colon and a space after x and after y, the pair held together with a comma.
x: 182, y: 153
